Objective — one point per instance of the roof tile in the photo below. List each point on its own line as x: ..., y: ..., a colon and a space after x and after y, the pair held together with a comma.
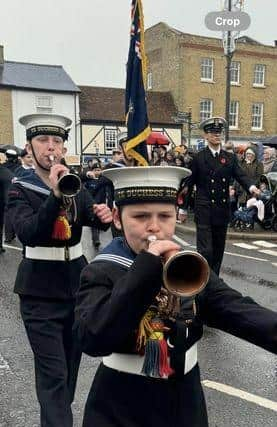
x: 107, y: 104
x: 36, y: 76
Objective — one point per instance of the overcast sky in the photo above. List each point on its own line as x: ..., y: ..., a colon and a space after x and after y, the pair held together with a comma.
x: 90, y: 38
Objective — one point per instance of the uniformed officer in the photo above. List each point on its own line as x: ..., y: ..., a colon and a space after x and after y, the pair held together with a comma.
x: 212, y: 171
x: 12, y: 162
x: 49, y: 225
x: 148, y: 336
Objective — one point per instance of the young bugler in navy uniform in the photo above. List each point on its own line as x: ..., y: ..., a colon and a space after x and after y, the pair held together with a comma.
x: 49, y: 225
x: 147, y: 334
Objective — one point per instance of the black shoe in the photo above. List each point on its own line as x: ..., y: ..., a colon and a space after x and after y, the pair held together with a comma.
x: 2, y: 250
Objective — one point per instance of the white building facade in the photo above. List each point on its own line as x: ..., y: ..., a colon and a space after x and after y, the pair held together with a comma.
x: 30, y: 102
x: 37, y: 88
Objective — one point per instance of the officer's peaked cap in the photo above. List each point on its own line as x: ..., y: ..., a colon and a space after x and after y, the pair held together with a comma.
x: 213, y: 124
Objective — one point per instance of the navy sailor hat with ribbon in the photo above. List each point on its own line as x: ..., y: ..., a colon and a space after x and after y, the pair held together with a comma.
x: 45, y: 124
x: 143, y: 184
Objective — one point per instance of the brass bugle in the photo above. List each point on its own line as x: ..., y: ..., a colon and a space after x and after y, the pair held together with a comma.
x: 69, y: 184
x: 185, y: 273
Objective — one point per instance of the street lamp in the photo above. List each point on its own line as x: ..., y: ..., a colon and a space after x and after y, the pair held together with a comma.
x: 229, y: 38
x: 229, y: 55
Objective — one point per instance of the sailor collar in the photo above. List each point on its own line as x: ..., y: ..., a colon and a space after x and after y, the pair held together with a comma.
x: 118, y: 251
x: 33, y: 182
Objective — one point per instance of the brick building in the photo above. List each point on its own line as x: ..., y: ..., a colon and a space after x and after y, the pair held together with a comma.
x: 193, y: 69
x: 6, y: 119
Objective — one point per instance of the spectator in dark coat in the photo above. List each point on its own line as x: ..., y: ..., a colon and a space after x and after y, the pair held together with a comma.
x: 101, y: 191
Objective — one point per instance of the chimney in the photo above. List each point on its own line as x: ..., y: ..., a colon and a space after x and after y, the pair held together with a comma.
x: 1, y: 55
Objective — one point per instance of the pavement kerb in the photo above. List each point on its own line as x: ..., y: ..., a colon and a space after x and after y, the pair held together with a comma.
x: 231, y: 235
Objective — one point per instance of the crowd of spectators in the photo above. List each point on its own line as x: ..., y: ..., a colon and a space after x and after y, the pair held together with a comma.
x: 177, y: 156
x: 255, y: 159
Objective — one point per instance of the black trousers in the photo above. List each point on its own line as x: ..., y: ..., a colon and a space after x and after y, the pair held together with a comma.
x: 117, y: 399
x: 210, y: 241
x: 57, y: 356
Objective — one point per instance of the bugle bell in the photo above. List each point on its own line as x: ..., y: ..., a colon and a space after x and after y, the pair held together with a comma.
x: 185, y: 273
x: 69, y: 184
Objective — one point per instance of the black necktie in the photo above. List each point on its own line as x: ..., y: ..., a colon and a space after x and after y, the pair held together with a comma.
x: 216, y: 156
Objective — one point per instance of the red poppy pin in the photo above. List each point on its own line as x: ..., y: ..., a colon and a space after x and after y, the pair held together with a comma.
x: 222, y: 161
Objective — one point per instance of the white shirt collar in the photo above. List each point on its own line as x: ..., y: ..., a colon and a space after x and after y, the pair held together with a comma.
x: 214, y: 151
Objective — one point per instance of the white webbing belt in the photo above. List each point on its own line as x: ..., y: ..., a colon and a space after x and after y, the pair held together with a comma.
x: 54, y: 253
x: 133, y: 363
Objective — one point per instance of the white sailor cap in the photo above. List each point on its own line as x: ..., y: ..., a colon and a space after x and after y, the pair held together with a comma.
x: 143, y: 184
x: 213, y: 124
x: 10, y: 152
x: 45, y: 124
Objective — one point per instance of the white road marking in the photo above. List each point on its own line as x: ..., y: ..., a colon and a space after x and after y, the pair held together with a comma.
x: 246, y: 256
x: 4, y: 366
x: 261, y: 401
x: 182, y: 242
x: 268, y: 252
x: 265, y: 244
x: 245, y: 246
x: 12, y: 247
